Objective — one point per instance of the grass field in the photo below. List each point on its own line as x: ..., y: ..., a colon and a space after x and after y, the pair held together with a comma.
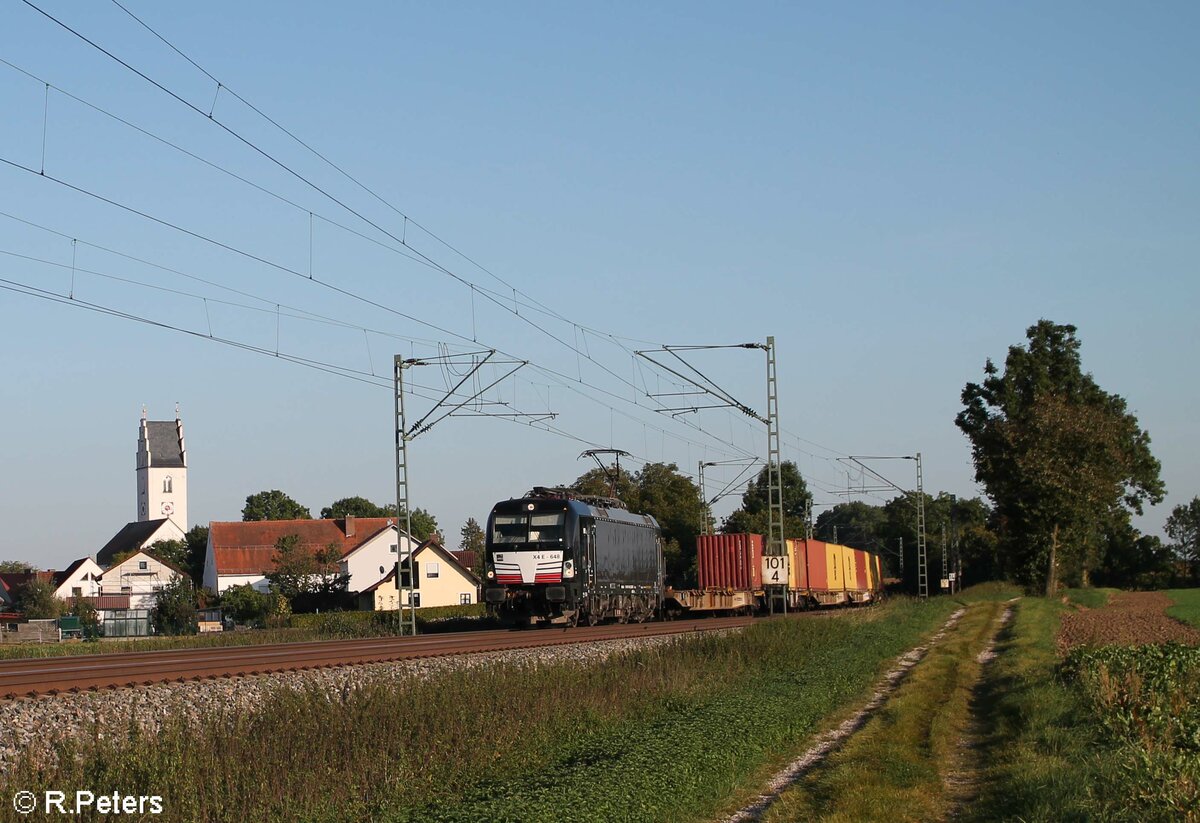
x: 1091, y: 598
x: 1187, y: 605
x: 668, y: 733
x: 895, y: 768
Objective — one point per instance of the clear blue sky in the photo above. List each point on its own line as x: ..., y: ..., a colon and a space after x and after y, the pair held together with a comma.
x: 894, y: 191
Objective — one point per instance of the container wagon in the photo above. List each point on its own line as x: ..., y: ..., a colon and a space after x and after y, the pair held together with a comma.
x: 729, y: 571
x: 555, y: 556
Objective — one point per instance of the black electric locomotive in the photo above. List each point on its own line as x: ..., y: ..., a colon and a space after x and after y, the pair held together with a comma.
x: 560, y: 557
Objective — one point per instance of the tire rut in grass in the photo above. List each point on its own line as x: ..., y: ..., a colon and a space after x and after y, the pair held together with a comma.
x: 962, y: 780
x: 831, y: 740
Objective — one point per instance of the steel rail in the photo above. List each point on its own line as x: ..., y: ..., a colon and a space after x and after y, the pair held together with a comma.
x: 72, y: 673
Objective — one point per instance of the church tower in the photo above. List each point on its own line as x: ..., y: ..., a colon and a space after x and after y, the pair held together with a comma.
x: 162, y: 471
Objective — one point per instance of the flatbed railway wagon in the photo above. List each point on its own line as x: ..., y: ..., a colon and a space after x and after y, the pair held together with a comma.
x: 729, y: 572
x: 555, y: 556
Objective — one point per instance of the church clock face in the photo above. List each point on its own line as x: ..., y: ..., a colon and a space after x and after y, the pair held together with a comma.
x: 168, y: 509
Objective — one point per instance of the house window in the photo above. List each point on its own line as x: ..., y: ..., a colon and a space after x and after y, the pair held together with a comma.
x: 431, y: 569
x: 393, y: 548
x: 464, y: 599
x: 143, y: 565
x: 416, y: 600
x: 127, y: 590
x: 76, y: 591
x: 167, y: 484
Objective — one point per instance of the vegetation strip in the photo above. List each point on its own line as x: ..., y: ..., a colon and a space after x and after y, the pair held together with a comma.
x: 909, y: 760
x: 570, y: 740
x: 830, y: 740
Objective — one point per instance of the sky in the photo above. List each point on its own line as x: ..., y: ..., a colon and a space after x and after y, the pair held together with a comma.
x: 894, y: 192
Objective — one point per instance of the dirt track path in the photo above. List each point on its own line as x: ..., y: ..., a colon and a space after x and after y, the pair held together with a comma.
x: 962, y: 780
x: 1129, y: 619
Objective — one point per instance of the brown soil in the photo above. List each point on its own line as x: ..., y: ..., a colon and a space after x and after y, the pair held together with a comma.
x: 1129, y: 619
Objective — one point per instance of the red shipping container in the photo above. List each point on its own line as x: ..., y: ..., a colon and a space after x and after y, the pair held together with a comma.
x: 860, y: 565
x: 818, y: 572
x: 729, y: 561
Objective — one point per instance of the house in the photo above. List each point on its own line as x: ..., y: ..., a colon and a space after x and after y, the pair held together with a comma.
x: 241, y: 553
x: 140, y: 577
x: 161, y: 490
x: 439, y: 580
x: 80, y: 579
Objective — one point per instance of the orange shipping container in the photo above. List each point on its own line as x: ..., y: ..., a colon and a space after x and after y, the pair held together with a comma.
x: 729, y: 561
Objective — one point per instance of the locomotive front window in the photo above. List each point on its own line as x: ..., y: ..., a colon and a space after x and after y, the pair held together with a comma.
x: 547, y: 528
x: 509, y: 528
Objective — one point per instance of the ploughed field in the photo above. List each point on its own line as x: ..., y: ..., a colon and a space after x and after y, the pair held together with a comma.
x: 1129, y: 619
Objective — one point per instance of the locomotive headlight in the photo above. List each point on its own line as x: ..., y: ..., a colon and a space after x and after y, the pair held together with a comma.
x: 491, y: 573
x: 568, y: 568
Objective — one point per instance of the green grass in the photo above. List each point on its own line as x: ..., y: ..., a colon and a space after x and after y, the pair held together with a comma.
x: 895, y: 767
x: 670, y: 733
x: 1187, y: 605
x: 1112, y: 734
x: 1037, y: 738
x: 1091, y: 598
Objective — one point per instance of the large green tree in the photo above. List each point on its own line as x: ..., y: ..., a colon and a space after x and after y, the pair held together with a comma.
x: 174, y: 609
x: 309, y: 578
x: 273, y: 505
x: 357, y: 507
x: 1183, y: 527
x: 754, y: 514
x: 35, y: 598
x: 1062, y: 460
x: 9, y: 566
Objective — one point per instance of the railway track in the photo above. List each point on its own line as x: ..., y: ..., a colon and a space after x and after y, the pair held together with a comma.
x: 72, y: 673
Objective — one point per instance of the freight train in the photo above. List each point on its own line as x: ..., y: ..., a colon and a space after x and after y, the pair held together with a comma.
x: 556, y: 556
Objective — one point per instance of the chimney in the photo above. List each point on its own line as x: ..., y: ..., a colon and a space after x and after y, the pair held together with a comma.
x: 349, y: 525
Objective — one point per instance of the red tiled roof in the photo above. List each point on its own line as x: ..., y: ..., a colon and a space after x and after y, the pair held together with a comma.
x: 248, y: 548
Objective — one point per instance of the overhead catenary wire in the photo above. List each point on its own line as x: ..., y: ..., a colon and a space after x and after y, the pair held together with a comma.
x: 432, y: 264
x: 492, y: 297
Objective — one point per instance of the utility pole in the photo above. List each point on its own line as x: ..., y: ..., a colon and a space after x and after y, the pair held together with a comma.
x: 704, y: 518
x: 808, y: 518
x: 922, y: 566
x: 452, y: 403
x: 775, y: 544
x: 404, y: 581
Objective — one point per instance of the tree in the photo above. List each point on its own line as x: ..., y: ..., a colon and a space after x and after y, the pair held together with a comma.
x: 856, y: 524
x: 35, y: 598
x: 89, y: 618
x: 357, y: 507
x: 15, y: 566
x: 471, y: 539
x: 1061, y: 459
x: 308, y: 578
x: 1183, y: 527
x: 196, y: 541
x: 174, y: 610
x: 424, y: 525
x: 172, y: 552
x: 273, y: 505
x: 245, y: 604
x: 754, y: 515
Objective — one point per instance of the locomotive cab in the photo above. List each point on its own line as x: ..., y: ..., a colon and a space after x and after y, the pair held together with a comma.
x: 558, y: 557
